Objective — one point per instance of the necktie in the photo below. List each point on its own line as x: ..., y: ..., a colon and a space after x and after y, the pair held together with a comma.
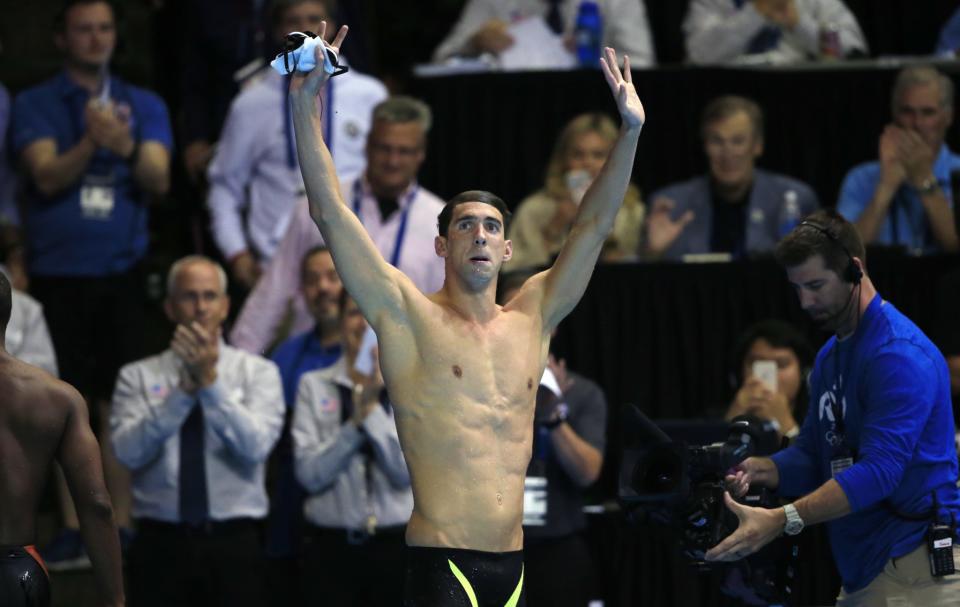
x: 554, y: 18
x: 765, y: 40
x: 387, y: 206
x: 193, y: 472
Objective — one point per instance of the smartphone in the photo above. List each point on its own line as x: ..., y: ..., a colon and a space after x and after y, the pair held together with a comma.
x: 766, y: 371
x: 365, y: 363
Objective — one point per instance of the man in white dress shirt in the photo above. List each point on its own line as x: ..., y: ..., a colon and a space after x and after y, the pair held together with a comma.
x: 195, y: 425
x: 398, y: 214
x: 484, y: 26
x: 254, y: 177
x: 347, y: 456
x: 770, y: 31
x: 28, y: 337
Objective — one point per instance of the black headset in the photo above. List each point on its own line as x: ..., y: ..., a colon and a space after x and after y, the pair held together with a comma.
x: 852, y: 273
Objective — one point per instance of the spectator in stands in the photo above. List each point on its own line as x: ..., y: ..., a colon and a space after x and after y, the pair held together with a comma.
x: 770, y: 31
x: 94, y: 149
x: 570, y: 427
x: 317, y: 348
x: 904, y: 197
x: 223, y: 38
x: 347, y: 456
x: 27, y: 336
x: 542, y: 220
x: 781, y: 343
x: 195, y: 425
x: 736, y: 208
x: 10, y: 238
x: 484, y: 27
x: 255, y: 179
x: 949, y: 42
x: 399, y: 214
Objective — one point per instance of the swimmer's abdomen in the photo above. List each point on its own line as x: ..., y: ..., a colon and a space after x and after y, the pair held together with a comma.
x: 467, y: 464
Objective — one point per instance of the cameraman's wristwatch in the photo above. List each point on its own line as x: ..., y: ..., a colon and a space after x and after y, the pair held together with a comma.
x: 794, y: 524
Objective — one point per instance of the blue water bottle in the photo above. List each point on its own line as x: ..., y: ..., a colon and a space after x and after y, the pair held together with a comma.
x: 789, y: 213
x: 588, y: 34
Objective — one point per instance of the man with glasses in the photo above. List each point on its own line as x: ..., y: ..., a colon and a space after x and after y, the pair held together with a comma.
x: 398, y: 214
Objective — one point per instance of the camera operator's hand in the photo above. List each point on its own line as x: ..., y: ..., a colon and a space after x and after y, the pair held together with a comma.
x: 753, y: 470
x: 758, y: 527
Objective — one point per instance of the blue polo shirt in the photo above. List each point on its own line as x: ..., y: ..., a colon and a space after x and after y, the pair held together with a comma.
x: 906, y: 223
x: 294, y: 357
x: 893, y: 387
x: 65, y: 237
x: 949, y: 42
x: 301, y: 354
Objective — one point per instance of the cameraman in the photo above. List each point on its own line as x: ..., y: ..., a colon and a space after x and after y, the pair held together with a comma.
x: 875, y: 456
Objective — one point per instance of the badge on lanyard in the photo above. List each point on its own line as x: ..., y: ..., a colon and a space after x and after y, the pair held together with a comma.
x: 535, y: 501
x: 839, y: 464
x: 97, y: 197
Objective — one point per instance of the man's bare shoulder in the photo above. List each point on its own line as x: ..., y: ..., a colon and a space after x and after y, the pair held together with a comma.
x: 24, y: 382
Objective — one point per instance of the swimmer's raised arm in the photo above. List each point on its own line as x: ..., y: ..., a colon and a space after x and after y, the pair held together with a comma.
x: 375, y: 285
x: 566, y: 281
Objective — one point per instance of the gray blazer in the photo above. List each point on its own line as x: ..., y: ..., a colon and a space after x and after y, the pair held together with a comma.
x: 764, y: 217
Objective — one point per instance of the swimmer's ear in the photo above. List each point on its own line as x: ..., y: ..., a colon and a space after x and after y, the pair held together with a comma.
x: 507, y: 250
x: 440, y: 246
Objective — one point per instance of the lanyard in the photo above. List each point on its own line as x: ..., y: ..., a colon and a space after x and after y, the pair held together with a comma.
x: 404, y: 214
x: 288, y: 121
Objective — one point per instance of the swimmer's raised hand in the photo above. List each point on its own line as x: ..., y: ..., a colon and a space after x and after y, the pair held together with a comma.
x: 621, y: 85
x: 311, y: 83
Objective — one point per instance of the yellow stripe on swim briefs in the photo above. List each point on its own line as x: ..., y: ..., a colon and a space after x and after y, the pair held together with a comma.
x: 468, y: 588
x: 516, y: 593
x: 465, y: 583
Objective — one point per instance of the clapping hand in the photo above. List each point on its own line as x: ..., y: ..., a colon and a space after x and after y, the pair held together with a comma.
x: 780, y: 12
x: 199, y: 350
x: 366, y: 391
x: 109, y: 128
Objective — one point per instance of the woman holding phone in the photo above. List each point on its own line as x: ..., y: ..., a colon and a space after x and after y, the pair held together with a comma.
x: 771, y: 362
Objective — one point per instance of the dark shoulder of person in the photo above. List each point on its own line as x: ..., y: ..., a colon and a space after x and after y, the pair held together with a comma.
x: 947, y: 331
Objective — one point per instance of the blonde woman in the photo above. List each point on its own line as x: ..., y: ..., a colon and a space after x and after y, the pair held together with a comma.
x: 542, y: 220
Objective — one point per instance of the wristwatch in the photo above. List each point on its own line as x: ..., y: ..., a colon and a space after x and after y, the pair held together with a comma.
x: 928, y: 186
x: 559, y: 417
x: 794, y: 524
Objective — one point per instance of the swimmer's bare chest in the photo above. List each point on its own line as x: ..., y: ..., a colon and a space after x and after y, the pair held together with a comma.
x: 465, y: 417
x: 497, y: 364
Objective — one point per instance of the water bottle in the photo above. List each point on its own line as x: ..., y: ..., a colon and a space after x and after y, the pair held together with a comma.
x: 588, y: 34
x: 830, y: 45
x: 790, y: 213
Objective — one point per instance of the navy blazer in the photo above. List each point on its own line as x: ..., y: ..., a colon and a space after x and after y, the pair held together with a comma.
x: 765, y: 216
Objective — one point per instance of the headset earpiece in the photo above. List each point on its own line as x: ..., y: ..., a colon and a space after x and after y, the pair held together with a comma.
x: 852, y: 273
